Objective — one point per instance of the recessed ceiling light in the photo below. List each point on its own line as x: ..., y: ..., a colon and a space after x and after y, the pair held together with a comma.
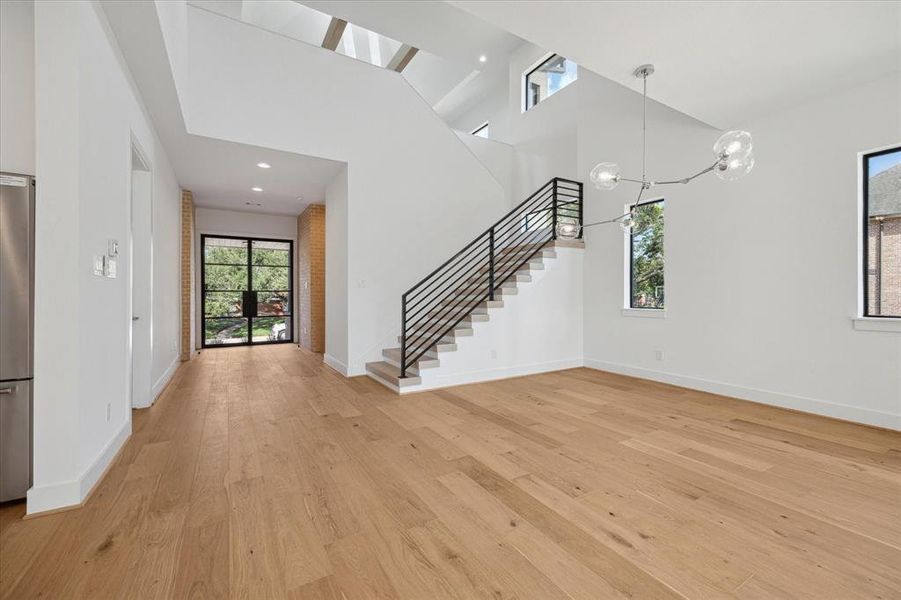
x: 263, y: 165
x: 257, y: 189
x: 483, y: 58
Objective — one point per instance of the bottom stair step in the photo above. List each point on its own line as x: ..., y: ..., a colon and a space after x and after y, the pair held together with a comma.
x: 390, y: 374
x: 392, y: 355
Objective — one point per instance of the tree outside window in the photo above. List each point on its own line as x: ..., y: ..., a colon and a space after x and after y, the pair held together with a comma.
x: 646, y: 257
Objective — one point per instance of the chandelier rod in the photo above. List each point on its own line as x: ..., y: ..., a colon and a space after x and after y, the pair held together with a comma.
x: 644, y: 126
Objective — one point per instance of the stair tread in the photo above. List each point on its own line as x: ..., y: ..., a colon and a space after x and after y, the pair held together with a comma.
x: 423, y: 362
x: 391, y: 374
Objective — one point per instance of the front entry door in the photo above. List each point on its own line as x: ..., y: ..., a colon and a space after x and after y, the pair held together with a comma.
x: 247, y: 291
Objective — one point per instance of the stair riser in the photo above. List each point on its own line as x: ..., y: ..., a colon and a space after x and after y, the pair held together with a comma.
x: 423, y: 364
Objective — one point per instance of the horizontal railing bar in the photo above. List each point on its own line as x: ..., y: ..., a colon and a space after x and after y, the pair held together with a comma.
x: 415, y: 293
x: 513, y: 211
x: 444, y: 289
x: 448, y: 279
x: 420, y: 341
x: 473, y: 283
x: 420, y: 347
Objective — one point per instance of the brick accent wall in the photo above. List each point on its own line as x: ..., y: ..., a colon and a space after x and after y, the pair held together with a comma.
x: 311, y: 277
x: 888, y: 278
x: 187, y: 273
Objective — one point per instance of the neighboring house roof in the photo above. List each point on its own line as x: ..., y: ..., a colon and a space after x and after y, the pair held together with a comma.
x: 884, y: 196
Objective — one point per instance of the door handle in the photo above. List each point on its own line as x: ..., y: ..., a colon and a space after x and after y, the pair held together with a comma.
x: 6, y: 391
x: 135, y: 318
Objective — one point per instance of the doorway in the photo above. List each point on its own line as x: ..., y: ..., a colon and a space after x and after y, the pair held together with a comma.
x: 141, y: 279
x: 247, y: 291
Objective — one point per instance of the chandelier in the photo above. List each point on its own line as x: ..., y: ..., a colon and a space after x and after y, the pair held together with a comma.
x: 733, y: 154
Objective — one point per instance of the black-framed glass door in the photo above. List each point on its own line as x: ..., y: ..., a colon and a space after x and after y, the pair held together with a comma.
x: 248, y: 292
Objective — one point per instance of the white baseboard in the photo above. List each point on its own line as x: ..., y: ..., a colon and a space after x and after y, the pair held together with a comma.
x: 68, y: 494
x: 93, y: 473
x: 165, y: 378
x: 809, y: 405
x: 443, y: 381
x: 53, y: 497
x: 335, y: 364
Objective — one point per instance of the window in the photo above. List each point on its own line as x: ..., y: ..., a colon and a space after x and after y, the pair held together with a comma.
x: 481, y: 130
x: 646, y: 257
x: 882, y: 233
x: 548, y: 78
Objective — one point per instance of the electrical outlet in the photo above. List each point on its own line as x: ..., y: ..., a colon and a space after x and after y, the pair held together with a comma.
x: 109, y: 409
x: 659, y: 355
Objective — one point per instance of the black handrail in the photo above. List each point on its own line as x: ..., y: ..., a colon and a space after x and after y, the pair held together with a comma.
x: 433, y: 308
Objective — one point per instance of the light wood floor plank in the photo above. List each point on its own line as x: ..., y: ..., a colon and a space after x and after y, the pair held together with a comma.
x: 262, y: 473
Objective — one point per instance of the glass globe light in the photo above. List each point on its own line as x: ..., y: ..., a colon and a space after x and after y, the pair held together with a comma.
x: 734, y: 167
x: 733, y: 144
x: 627, y: 222
x: 568, y: 228
x: 605, y: 176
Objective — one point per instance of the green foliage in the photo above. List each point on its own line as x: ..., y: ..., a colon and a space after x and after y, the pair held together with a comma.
x: 647, y: 257
x: 226, y: 275
x: 266, y: 256
x: 270, y: 278
x: 229, y: 255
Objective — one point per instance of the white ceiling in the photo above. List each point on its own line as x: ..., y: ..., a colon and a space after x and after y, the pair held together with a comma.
x: 720, y: 62
x: 219, y: 173
x: 450, y: 41
x: 430, y: 25
x: 446, y: 71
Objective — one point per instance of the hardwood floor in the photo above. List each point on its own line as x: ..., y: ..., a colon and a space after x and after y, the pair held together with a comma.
x: 261, y: 473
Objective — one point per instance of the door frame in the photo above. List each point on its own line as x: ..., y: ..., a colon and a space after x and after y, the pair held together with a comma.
x: 139, y: 161
x: 249, y: 239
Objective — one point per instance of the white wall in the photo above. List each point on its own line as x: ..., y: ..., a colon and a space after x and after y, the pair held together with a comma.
x: 17, y: 89
x: 761, y: 274
x: 538, y: 329
x: 497, y: 157
x: 491, y: 108
x: 416, y: 194
x: 239, y: 223
x: 235, y: 222
x: 88, y: 112
x: 336, y: 272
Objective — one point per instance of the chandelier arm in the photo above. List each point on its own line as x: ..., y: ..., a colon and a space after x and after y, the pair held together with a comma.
x: 690, y: 178
x: 616, y: 219
x: 635, y: 204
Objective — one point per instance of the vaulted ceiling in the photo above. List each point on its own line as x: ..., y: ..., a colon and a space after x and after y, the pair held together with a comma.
x: 720, y: 62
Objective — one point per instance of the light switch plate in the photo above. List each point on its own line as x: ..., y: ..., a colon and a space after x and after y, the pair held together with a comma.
x: 111, y: 266
x: 99, y: 266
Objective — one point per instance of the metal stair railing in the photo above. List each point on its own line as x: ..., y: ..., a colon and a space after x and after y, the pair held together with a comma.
x: 433, y: 308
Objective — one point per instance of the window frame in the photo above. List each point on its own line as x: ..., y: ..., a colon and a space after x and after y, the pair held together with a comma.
x: 535, y: 67
x: 476, y: 131
x: 864, y: 187
x: 630, y: 263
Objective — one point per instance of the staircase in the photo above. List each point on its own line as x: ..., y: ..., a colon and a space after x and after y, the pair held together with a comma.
x: 443, y: 307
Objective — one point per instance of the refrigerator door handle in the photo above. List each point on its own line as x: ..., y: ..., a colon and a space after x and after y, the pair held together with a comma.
x: 5, y: 391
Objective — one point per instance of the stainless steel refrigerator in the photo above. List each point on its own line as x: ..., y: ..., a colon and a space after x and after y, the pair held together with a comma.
x: 16, y: 332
